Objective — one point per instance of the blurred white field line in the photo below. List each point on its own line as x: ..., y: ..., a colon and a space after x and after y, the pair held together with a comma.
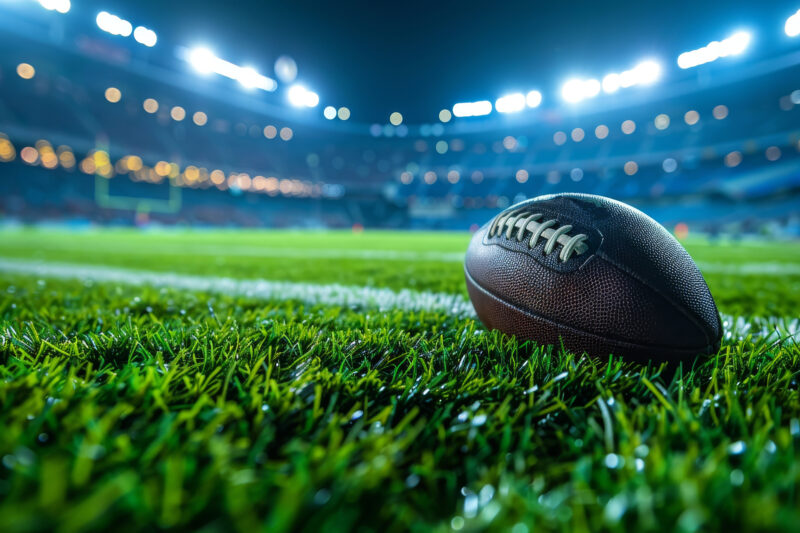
x: 754, y: 269
x: 274, y: 252
x: 750, y: 268
x: 383, y: 299
x: 310, y: 293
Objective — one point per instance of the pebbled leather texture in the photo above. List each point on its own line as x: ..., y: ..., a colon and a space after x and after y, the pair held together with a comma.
x: 634, y: 292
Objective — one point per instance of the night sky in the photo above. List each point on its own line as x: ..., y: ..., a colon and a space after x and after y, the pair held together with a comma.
x: 418, y: 57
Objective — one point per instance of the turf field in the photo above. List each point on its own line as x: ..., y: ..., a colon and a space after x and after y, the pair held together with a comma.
x: 298, y: 380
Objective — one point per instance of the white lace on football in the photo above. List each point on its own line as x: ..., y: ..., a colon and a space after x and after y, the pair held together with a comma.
x: 517, y: 224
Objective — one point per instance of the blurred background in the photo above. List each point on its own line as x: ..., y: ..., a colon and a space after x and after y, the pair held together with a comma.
x: 412, y: 116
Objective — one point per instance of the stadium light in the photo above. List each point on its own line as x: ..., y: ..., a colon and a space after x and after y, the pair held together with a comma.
x: 575, y: 90
x: 204, y: 61
x: 299, y: 96
x: 113, y: 24
x: 145, y: 36
x: 644, y: 73
x: 533, y: 99
x: 62, y: 6
x: 792, y: 27
x: 472, y: 109
x: 733, y: 45
x: 511, y: 103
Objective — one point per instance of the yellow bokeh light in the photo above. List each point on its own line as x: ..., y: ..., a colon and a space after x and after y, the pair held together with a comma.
x: 396, y: 118
x: 200, y: 118
x: 271, y: 185
x: 217, y: 177
x: 100, y: 158
x: 26, y: 71
x: 191, y: 174
x: 87, y: 166
x: 49, y: 158
x: 65, y: 156
x: 445, y: 115
x: 162, y: 169
x: 133, y: 162
x: 344, y: 113
x: 7, y: 150
x: 113, y: 95
x: 106, y: 171
x: 150, y: 105
x: 177, y: 113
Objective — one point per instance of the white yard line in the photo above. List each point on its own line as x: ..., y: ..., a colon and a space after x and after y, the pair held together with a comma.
x: 381, y: 299
x: 310, y: 293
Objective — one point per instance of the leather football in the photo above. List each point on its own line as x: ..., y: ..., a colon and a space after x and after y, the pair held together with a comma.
x: 594, y: 275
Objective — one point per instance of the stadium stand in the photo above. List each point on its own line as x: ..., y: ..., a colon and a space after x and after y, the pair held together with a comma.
x: 709, y: 154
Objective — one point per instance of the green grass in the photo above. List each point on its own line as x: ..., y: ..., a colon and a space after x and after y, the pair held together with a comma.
x: 138, y: 408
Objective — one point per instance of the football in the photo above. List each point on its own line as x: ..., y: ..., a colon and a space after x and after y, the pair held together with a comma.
x: 594, y: 275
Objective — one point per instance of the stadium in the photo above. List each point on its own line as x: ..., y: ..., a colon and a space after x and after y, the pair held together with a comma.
x: 232, y: 265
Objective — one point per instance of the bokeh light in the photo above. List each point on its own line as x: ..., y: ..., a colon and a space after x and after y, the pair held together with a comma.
x: 113, y: 95
x: 200, y: 118
x: 733, y: 159
x: 26, y: 71
x: 177, y: 113
x: 628, y: 127
x: 150, y: 105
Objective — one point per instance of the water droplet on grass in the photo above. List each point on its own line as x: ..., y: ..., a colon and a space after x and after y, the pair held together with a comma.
x: 737, y: 447
x: 613, y: 460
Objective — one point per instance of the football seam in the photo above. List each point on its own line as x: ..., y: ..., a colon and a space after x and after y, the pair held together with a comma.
x: 610, y: 340
x: 696, y: 320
